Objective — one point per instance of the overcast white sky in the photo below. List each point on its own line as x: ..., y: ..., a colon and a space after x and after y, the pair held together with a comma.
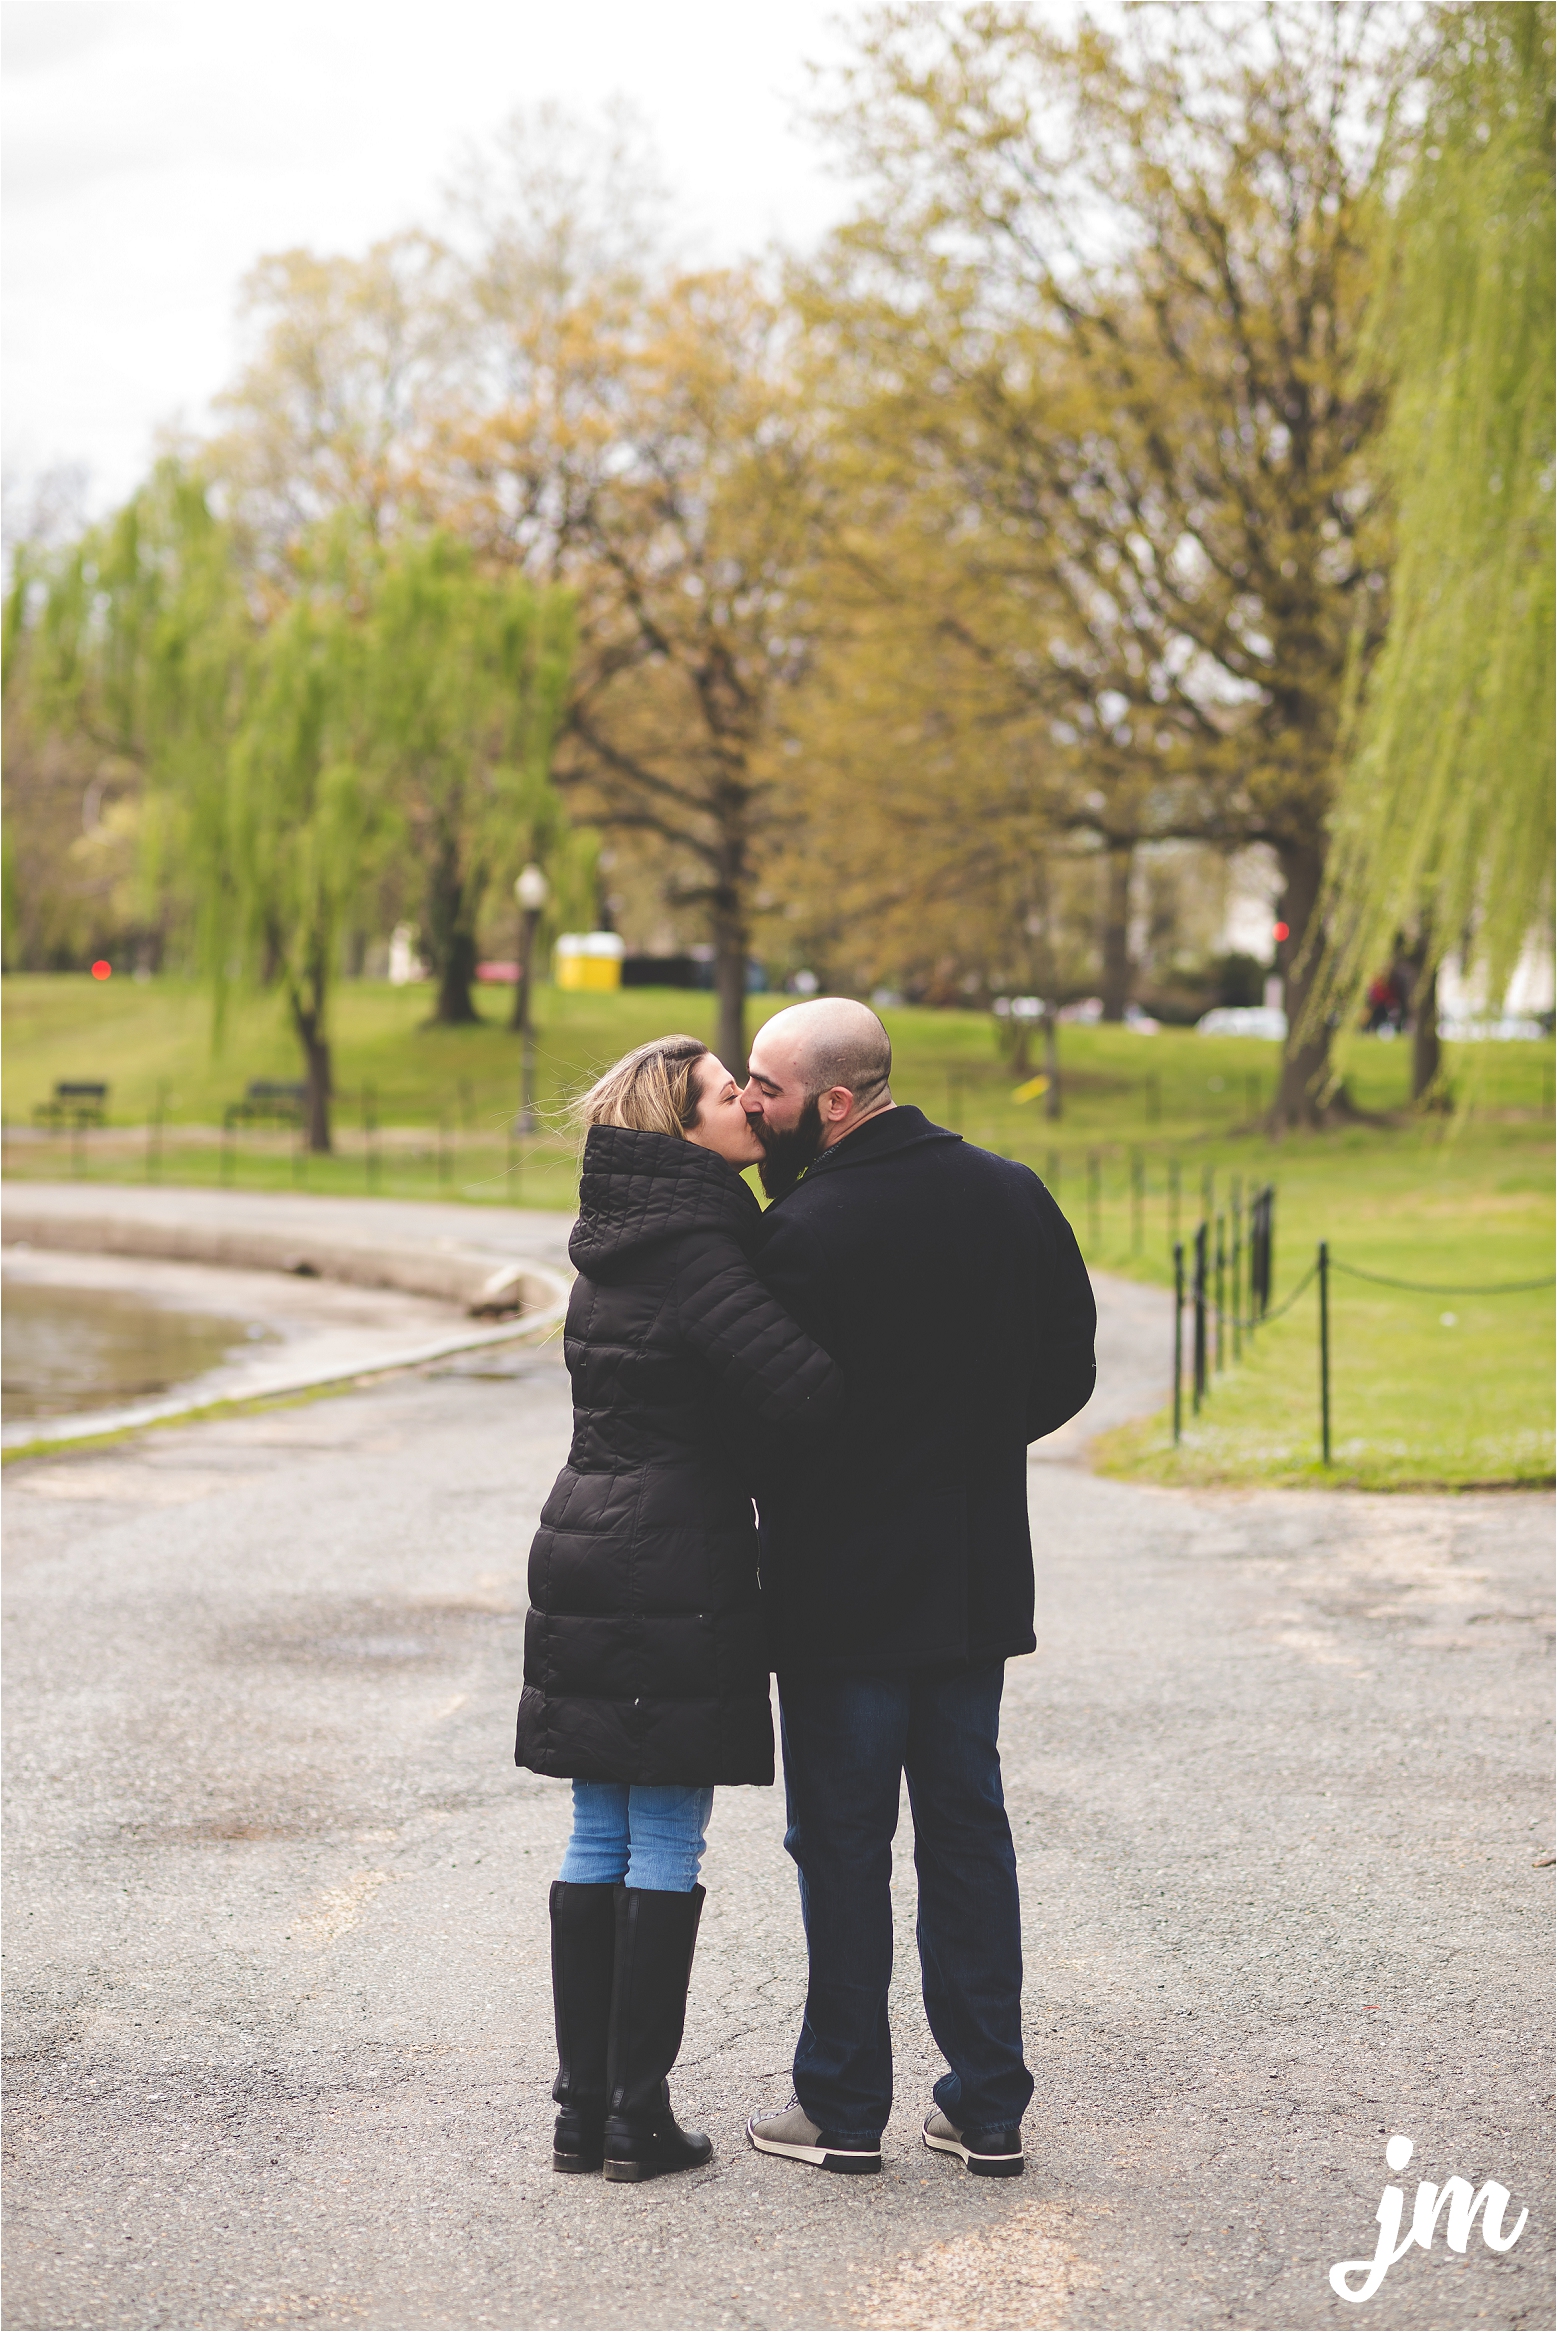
x: 153, y: 151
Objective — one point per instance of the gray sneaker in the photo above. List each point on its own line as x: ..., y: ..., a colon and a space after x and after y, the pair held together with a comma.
x: 798, y: 2138
x: 987, y: 2153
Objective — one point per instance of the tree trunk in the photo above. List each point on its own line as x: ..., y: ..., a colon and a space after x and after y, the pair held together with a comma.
x: 1301, y: 1097
x: 455, y: 1006
x: 730, y: 985
x: 1117, y: 968
x: 308, y: 1022
x: 451, y: 944
x: 1426, y: 1052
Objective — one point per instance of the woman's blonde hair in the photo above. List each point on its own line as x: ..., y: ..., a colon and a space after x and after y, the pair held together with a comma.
x: 652, y: 1089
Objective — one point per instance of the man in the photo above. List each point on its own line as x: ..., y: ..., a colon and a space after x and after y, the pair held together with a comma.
x: 897, y: 1570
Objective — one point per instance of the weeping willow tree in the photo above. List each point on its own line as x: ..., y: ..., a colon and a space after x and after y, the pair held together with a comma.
x: 134, y: 643
x: 289, y: 740
x: 1443, y: 832
x: 292, y: 820
x: 239, y: 718
x: 466, y: 681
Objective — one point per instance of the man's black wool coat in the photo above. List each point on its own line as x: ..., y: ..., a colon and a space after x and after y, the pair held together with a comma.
x: 949, y: 1288
x: 644, y: 1652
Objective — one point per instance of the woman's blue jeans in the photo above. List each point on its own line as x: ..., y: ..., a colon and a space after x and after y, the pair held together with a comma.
x: 652, y: 1837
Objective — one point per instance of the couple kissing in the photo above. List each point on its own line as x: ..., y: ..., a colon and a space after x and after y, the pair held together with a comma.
x: 799, y: 1447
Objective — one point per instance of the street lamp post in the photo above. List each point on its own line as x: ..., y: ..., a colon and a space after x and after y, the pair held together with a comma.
x: 532, y: 892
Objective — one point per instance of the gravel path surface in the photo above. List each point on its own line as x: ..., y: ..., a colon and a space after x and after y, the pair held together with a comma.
x: 279, y: 2019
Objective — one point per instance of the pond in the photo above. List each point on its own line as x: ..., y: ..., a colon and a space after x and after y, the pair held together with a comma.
x: 77, y: 1348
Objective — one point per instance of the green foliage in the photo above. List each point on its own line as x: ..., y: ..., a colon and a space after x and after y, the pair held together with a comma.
x: 135, y: 645
x: 285, y: 821
x: 465, y: 680
x: 288, y: 744
x: 1445, y: 824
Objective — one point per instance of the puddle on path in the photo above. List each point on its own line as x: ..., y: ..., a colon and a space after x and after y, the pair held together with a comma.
x: 78, y: 1348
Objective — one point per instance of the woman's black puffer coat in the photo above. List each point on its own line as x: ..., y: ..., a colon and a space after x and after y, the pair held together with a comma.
x: 644, y: 1654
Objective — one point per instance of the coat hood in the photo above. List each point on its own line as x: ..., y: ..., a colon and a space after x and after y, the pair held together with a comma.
x: 637, y: 1188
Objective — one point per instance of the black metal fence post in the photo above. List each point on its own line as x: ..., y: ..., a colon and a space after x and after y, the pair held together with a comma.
x: 1221, y: 1292
x: 1259, y: 1257
x: 1324, y: 1349
x: 1237, y: 1267
x: 1178, y: 1342
x: 1137, y: 1201
x: 1199, y: 1389
x: 1207, y: 1193
x: 154, y: 1135
x: 1262, y: 1247
x: 1173, y: 1202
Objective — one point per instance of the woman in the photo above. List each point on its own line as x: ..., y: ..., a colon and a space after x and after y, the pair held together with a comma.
x: 645, y: 1670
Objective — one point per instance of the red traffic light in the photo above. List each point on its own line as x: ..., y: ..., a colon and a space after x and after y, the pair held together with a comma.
x: 102, y: 969
x: 1282, y: 932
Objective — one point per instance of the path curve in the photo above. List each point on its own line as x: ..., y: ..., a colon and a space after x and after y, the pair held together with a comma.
x: 459, y: 1255
x: 475, y: 1261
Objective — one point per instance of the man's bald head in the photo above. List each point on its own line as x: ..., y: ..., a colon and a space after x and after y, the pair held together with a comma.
x: 817, y: 1071
x: 832, y: 1041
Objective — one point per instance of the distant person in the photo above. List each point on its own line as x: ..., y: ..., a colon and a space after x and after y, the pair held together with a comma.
x: 645, y: 1668
x: 1386, y: 1005
x: 897, y: 1570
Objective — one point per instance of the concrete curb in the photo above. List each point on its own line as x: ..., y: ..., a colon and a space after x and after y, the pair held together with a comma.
x: 49, y: 1432
x: 474, y: 1278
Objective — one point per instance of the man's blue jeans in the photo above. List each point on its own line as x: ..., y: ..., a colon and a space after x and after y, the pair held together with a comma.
x: 650, y: 1834
x: 847, y: 1739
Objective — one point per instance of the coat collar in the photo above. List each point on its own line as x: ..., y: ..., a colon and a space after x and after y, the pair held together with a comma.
x: 884, y: 1136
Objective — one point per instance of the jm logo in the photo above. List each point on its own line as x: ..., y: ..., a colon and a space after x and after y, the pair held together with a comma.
x: 1455, y: 2195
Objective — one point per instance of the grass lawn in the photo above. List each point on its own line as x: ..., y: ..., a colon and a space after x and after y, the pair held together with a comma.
x: 1425, y: 1388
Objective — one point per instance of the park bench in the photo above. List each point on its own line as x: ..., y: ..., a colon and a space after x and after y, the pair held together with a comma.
x: 267, y: 1102
x: 75, y: 1103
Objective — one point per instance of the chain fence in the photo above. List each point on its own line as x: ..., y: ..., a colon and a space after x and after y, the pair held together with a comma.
x: 1215, y: 1321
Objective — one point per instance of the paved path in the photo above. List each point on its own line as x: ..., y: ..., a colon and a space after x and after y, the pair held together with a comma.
x: 279, y: 2019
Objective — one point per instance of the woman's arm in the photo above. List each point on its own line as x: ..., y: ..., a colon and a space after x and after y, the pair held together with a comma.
x: 775, y: 1370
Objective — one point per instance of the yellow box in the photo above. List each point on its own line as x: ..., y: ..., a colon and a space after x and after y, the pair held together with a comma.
x: 589, y: 959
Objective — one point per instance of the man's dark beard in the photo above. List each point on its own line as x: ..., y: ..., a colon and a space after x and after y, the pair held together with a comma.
x: 785, y: 1157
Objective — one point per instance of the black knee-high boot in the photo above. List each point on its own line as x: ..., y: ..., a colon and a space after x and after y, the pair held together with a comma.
x: 583, y: 1956
x: 655, y: 1936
